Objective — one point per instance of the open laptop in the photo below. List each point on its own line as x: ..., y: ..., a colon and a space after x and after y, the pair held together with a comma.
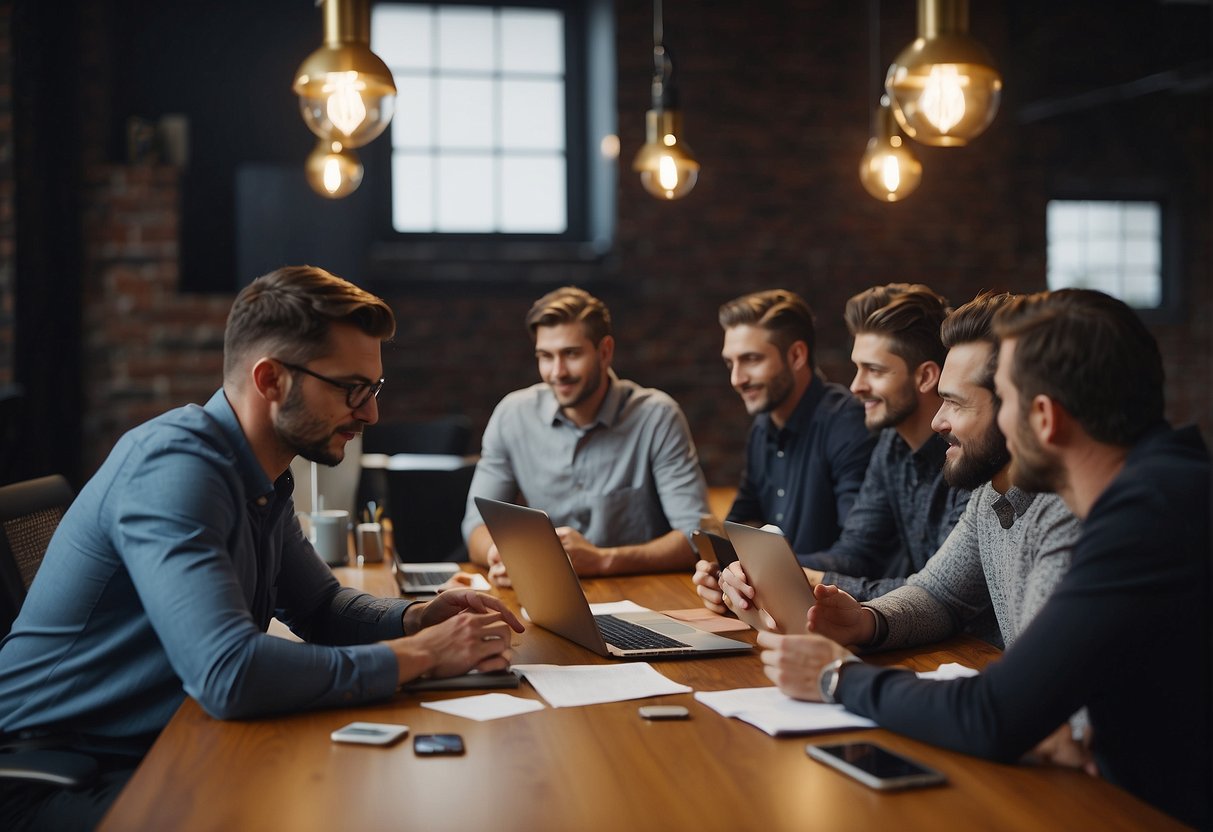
x: 423, y: 578
x: 781, y: 589
x: 547, y: 586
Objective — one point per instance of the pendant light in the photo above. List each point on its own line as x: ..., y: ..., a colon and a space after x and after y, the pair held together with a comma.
x: 667, y: 167
x: 889, y: 170
x: 346, y: 93
x: 944, y: 86
x: 333, y: 171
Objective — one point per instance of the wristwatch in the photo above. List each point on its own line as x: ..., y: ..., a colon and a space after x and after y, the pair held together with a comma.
x: 827, y: 682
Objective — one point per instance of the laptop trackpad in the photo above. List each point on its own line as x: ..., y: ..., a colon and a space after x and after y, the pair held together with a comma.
x: 665, y: 626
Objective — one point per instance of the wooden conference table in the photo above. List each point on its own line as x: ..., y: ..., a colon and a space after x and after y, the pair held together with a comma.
x: 599, y: 767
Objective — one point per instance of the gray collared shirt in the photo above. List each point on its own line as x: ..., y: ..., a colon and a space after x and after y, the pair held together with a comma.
x: 628, y: 477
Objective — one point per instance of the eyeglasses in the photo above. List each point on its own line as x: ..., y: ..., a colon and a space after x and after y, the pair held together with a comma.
x: 357, y: 393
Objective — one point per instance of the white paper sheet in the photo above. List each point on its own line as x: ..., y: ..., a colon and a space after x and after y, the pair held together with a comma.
x: 486, y: 706
x: 592, y: 684
x: 769, y: 710
x: 951, y: 670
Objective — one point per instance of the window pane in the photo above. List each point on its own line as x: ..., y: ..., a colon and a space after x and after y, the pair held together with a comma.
x: 1103, y: 221
x: 467, y: 193
x: 1141, y: 254
x: 465, y: 113
x: 1064, y: 220
x: 532, y: 115
x: 401, y: 36
x: 1142, y: 289
x: 465, y: 39
x: 533, y: 195
x: 412, y: 126
x: 412, y: 192
x: 1112, y: 246
x: 1141, y: 219
x: 532, y: 41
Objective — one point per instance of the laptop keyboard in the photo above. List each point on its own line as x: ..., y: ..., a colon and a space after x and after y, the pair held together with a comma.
x: 419, y: 578
x: 628, y: 636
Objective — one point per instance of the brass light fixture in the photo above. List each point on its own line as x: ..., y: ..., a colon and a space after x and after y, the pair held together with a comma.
x: 944, y: 86
x: 889, y: 170
x: 332, y: 170
x: 346, y: 93
x: 667, y: 166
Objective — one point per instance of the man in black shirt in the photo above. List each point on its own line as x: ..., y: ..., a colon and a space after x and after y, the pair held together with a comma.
x: 1126, y: 633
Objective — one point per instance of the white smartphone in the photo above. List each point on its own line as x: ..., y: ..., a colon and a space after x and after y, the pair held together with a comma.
x: 369, y: 733
x: 875, y: 766
x: 663, y: 712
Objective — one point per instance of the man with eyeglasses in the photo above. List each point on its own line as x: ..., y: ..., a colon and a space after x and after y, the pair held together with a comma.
x: 162, y: 577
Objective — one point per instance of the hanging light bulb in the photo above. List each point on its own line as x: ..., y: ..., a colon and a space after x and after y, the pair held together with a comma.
x: 346, y: 93
x: 333, y: 171
x: 667, y: 166
x: 944, y: 86
x: 889, y: 170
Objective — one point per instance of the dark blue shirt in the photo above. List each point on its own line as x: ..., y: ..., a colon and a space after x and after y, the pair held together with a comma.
x: 804, y: 477
x: 904, y: 513
x: 1125, y: 633
x: 160, y: 581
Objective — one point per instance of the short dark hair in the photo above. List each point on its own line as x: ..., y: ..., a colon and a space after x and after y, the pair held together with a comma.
x: 784, y: 314
x: 972, y: 323
x: 568, y: 305
x: 1092, y: 354
x: 288, y: 313
x: 909, y: 314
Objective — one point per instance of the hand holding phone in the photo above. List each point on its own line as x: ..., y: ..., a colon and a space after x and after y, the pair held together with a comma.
x: 875, y: 766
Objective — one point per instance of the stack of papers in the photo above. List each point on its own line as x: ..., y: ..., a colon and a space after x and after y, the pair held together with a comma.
x: 771, y: 711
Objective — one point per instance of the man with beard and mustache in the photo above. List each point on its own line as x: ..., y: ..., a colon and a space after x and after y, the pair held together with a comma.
x: 163, y: 575
x: 904, y: 510
x: 1125, y: 632
x: 611, y: 462
x: 1010, y: 547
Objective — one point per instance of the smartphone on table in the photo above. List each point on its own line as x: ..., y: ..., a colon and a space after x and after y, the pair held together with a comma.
x: 430, y: 745
x: 875, y: 766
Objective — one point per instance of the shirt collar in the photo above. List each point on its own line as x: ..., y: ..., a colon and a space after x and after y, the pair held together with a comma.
x: 256, y: 483
x: 802, y: 414
x: 1011, y: 506
x: 608, y: 411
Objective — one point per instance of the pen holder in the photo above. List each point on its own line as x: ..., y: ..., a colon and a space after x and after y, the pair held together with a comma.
x: 369, y: 540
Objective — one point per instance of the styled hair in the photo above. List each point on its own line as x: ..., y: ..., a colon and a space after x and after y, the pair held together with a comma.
x: 568, y: 305
x: 288, y: 312
x: 783, y: 314
x: 1092, y: 354
x: 908, y: 314
x: 973, y: 323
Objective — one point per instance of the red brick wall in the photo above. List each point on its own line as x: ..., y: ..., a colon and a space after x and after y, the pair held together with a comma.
x: 147, y: 346
x: 7, y: 231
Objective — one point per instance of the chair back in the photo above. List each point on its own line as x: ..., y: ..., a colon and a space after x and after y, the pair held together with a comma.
x: 448, y: 435
x: 30, y: 512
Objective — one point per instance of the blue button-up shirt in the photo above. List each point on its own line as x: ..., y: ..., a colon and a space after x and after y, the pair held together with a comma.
x: 160, y: 582
x: 804, y: 477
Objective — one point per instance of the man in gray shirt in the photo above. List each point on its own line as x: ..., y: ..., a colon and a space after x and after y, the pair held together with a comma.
x: 611, y: 462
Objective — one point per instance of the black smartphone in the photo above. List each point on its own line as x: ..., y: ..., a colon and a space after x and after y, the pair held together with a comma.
x: 875, y: 766
x: 433, y: 744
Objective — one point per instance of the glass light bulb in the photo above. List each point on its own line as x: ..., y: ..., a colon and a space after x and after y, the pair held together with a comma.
x: 667, y: 167
x: 333, y: 171
x: 890, y: 173
x: 889, y: 170
x: 345, y: 106
x: 667, y: 174
x: 943, y: 98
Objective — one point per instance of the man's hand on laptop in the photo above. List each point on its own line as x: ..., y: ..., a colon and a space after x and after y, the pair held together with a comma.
x: 707, y: 586
x: 458, y: 631
x: 497, y: 573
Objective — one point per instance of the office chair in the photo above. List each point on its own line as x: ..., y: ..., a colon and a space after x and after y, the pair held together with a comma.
x: 30, y: 512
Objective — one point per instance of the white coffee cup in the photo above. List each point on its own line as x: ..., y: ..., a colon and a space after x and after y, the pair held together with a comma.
x: 331, y: 536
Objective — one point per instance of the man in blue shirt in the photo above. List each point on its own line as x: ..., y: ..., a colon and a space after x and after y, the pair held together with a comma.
x: 162, y: 577
x: 905, y: 509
